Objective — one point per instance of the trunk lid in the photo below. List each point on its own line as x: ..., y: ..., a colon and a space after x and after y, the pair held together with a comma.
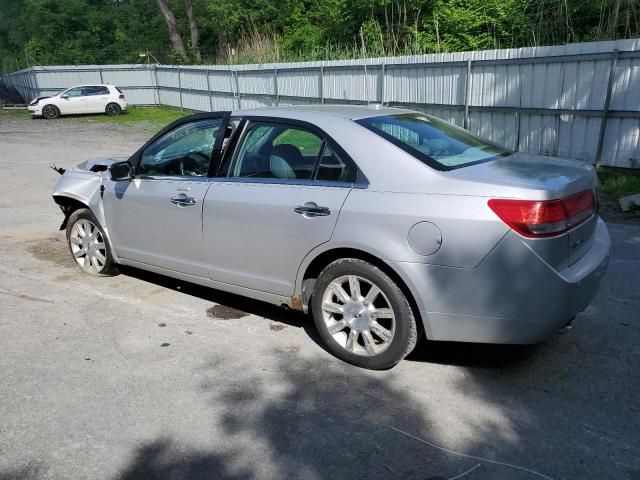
x: 543, y: 178
x: 559, y: 177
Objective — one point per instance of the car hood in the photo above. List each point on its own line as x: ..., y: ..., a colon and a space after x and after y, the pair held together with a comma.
x: 101, y: 163
x: 558, y: 176
x: 37, y: 99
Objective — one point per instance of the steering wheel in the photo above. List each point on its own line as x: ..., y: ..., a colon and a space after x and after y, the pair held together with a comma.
x: 198, y: 163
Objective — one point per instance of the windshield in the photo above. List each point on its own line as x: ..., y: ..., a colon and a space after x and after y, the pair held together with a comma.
x: 437, y: 143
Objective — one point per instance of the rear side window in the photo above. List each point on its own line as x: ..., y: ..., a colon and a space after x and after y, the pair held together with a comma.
x: 435, y: 142
x: 273, y: 150
x: 97, y: 90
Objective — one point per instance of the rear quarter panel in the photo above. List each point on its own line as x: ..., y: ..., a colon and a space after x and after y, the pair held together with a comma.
x: 379, y: 223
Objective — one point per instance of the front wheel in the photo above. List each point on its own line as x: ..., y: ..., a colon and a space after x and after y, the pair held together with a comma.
x: 113, y: 109
x: 362, y: 315
x: 50, y: 112
x: 88, y: 244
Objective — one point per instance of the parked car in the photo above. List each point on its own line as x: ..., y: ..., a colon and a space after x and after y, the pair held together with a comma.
x: 78, y: 100
x: 384, y: 224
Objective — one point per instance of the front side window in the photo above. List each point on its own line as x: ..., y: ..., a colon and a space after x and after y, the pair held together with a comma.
x: 432, y: 141
x: 184, y: 151
x: 270, y: 150
x: 74, y: 92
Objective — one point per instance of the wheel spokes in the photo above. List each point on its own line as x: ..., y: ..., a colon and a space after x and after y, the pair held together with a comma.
x: 338, y: 327
x: 354, y: 287
x: 342, y: 295
x: 352, y: 340
x: 369, y: 343
x: 382, y: 313
x: 331, y: 307
x: 372, y: 294
x: 382, y: 333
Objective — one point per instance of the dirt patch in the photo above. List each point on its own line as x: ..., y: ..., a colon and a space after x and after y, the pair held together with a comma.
x: 52, y: 249
x: 277, y: 327
x: 222, y: 312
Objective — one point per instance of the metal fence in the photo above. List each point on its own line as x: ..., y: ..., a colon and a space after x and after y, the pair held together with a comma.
x: 578, y: 101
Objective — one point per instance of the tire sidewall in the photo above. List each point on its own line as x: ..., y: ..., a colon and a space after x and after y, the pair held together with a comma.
x: 405, y: 334
x: 86, y: 214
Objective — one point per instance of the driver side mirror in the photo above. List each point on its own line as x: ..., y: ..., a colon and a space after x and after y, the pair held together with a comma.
x: 66, y: 97
x: 121, y: 171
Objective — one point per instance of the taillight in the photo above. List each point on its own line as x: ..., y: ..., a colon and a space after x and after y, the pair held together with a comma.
x: 536, y: 219
x: 121, y: 96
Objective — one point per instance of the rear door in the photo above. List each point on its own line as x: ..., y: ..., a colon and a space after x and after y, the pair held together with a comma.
x: 156, y: 218
x: 277, y: 197
x: 97, y: 98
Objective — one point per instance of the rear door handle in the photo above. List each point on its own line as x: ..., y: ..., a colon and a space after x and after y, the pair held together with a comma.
x: 312, y: 210
x: 183, y: 200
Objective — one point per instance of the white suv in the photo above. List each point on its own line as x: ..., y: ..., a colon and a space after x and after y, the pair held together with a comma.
x: 80, y: 99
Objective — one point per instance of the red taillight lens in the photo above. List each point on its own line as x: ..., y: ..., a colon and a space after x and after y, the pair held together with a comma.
x: 121, y: 96
x: 535, y: 219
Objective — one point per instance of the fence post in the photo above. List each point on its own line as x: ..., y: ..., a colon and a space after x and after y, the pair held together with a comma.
x: 238, y: 90
x: 383, y: 82
x: 607, y: 103
x: 100, y: 72
x: 467, y: 94
x: 275, y: 86
x: 180, y: 88
x: 321, y: 84
x: 157, y: 85
x: 207, y: 71
x: 366, y: 81
x: 35, y: 81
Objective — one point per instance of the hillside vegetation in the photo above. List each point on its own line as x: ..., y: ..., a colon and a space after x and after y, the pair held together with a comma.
x: 49, y: 32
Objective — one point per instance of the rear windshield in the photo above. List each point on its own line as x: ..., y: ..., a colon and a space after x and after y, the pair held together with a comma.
x: 435, y: 142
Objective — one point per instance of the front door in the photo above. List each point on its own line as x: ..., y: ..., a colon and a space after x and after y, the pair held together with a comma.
x: 73, y: 101
x: 156, y: 218
x: 279, y: 198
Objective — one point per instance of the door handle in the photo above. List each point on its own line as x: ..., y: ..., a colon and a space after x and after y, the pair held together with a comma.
x: 183, y: 200
x: 312, y: 210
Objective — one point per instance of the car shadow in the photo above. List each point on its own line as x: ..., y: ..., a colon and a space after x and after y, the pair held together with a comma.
x: 426, y: 351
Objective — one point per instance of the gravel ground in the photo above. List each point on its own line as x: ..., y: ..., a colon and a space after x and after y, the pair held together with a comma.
x: 139, y: 376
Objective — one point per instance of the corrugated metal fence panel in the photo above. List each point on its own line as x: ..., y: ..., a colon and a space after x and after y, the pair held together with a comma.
x: 167, y: 77
x: 626, y: 87
x: 299, y: 83
x: 127, y: 78
x: 425, y: 84
x: 501, y: 83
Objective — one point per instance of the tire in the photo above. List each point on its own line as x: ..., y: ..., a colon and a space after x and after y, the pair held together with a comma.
x: 374, y: 331
x: 50, y: 112
x: 112, y: 109
x: 92, y: 254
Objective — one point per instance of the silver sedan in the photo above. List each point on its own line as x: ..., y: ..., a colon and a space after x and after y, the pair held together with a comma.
x: 386, y: 225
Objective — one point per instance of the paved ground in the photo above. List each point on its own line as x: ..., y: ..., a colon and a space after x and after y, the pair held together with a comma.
x: 139, y: 376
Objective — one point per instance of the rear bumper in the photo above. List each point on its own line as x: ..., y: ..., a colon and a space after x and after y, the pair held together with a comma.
x: 513, y: 296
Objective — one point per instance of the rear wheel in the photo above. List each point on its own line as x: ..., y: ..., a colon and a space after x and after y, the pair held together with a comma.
x: 50, y: 111
x: 362, y: 315
x: 112, y: 109
x: 88, y: 244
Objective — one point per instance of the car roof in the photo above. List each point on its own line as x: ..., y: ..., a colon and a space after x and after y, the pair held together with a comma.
x: 91, y: 85
x: 310, y: 112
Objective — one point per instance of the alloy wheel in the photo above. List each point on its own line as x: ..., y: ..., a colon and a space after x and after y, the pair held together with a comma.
x: 87, y: 246
x: 358, y: 315
x: 113, y: 109
x: 49, y: 111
